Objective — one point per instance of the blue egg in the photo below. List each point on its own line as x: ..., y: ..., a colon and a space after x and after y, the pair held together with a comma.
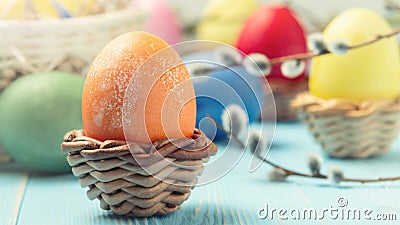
x: 222, y: 88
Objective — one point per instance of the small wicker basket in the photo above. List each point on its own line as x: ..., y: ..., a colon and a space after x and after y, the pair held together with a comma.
x: 134, y: 180
x: 68, y: 44
x: 350, y: 129
x: 284, y: 92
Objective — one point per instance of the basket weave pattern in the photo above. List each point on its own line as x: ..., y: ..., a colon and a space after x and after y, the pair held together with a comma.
x: 135, y: 180
x: 60, y: 44
x: 350, y: 129
x: 284, y: 92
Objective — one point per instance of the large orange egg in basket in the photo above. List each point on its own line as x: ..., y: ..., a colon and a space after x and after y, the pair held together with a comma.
x: 139, y: 153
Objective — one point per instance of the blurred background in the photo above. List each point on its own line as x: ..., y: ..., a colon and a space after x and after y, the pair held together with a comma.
x: 52, y: 36
x: 48, y: 46
x: 311, y: 11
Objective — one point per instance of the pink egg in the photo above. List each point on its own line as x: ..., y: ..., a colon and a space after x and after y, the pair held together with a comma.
x: 161, y: 21
x: 274, y: 31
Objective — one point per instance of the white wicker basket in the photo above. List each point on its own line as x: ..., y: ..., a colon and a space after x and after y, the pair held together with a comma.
x: 60, y: 44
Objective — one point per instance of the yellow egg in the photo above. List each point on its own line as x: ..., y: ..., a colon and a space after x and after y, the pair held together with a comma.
x: 44, y: 9
x: 223, y: 20
x: 78, y: 7
x: 368, y: 72
x: 33, y: 9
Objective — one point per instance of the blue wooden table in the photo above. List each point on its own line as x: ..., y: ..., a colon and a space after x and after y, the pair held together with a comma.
x: 239, y: 197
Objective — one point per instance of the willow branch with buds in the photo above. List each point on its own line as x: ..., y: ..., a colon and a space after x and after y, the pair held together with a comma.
x: 280, y: 173
x: 292, y: 65
x: 327, y: 50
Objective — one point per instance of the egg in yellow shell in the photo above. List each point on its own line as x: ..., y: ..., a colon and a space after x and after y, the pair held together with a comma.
x: 223, y: 19
x: 367, y: 72
x: 137, y: 89
x: 44, y: 9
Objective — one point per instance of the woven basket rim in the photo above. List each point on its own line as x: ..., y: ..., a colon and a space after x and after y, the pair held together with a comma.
x: 73, y: 21
x: 197, y: 147
x: 307, y: 102
x: 350, y: 129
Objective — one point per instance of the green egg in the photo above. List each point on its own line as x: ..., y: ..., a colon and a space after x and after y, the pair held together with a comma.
x: 35, y: 113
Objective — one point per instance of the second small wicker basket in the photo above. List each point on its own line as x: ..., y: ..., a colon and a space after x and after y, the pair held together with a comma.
x: 350, y: 129
x: 134, y: 180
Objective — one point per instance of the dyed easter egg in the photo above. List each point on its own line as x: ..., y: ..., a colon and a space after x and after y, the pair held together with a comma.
x: 45, y: 9
x: 371, y: 71
x: 35, y: 112
x: 137, y: 89
x: 274, y: 31
x: 76, y: 7
x: 223, y: 19
x: 222, y: 88
x: 161, y: 20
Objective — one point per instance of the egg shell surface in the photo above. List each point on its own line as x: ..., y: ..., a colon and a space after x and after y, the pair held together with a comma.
x: 137, y: 89
x: 221, y: 89
x: 36, y: 111
x: 223, y: 19
x: 371, y: 71
x: 162, y: 21
x: 275, y: 31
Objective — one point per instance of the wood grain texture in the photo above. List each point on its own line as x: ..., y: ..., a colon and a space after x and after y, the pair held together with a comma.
x: 233, y: 199
x: 12, y: 189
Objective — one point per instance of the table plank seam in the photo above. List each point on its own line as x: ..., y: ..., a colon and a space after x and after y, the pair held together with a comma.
x: 14, y: 219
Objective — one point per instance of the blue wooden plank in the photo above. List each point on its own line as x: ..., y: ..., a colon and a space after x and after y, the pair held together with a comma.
x: 55, y: 200
x: 236, y: 197
x: 12, y: 188
x: 291, y: 149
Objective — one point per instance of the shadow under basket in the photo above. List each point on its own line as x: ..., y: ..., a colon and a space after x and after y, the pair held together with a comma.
x: 138, y: 180
x: 350, y: 129
x: 284, y: 92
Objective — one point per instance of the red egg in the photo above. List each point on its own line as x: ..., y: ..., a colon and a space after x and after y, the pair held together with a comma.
x: 274, y: 31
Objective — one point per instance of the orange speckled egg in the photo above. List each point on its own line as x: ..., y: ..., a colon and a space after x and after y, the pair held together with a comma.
x: 137, y: 89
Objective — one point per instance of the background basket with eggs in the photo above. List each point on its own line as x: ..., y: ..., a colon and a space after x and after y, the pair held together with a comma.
x: 47, y: 35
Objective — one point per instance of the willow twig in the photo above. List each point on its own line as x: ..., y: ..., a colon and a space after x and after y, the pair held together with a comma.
x: 310, y: 55
x: 290, y: 172
x: 304, y: 56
